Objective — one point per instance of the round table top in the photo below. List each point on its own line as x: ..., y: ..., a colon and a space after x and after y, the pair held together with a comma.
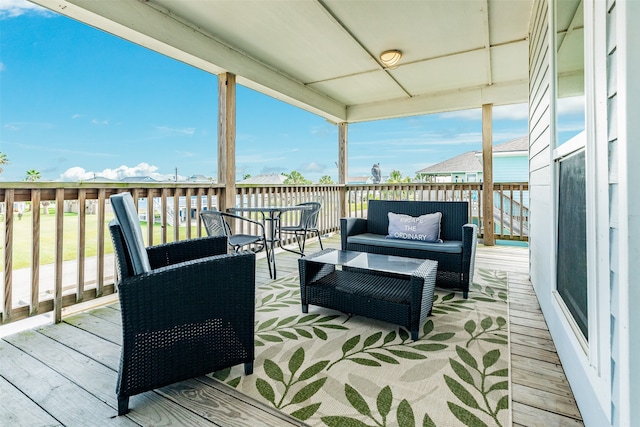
x: 271, y: 208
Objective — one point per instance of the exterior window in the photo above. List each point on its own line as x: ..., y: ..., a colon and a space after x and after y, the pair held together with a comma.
x: 569, y: 153
x: 572, y: 239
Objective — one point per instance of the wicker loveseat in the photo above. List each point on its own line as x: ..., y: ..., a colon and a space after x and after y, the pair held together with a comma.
x: 455, y: 255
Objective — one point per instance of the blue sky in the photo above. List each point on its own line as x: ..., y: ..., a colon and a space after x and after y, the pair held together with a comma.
x: 75, y: 102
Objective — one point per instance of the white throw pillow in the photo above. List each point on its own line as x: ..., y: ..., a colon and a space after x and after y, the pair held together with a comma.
x: 424, y: 227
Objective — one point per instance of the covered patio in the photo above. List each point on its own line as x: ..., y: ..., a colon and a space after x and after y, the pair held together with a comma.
x: 65, y: 373
x: 327, y: 57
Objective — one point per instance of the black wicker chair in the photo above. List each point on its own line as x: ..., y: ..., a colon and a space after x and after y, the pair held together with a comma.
x: 188, y: 307
x: 308, y: 224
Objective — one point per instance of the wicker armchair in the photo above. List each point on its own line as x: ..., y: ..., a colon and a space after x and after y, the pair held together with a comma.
x: 188, y: 307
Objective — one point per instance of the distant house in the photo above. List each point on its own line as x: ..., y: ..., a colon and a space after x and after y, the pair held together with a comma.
x: 510, y: 164
x: 200, y: 178
x: 264, y: 179
x: 138, y: 179
x: 355, y: 180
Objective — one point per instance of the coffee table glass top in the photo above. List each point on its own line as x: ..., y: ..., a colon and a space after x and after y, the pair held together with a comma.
x: 376, y: 262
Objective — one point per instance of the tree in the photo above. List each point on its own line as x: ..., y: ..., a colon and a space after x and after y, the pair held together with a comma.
x: 295, y: 177
x: 396, y: 176
x: 33, y: 175
x: 246, y: 176
x: 325, y: 179
x: 4, y: 160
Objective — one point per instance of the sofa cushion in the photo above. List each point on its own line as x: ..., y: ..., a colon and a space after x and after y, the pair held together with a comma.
x: 424, y: 227
x: 448, y: 246
x: 127, y: 216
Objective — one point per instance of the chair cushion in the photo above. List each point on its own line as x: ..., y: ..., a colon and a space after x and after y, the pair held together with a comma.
x: 448, y: 246
x: 127, y: 216
x: 424, y: 227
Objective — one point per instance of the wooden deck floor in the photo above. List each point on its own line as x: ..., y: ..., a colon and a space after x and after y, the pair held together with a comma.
x: 65, y: 374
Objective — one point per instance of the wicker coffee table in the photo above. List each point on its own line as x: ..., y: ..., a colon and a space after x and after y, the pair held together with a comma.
x: 393, y: 289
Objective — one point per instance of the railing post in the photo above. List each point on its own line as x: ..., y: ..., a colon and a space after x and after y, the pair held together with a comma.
x: 343, y: 142
x: 35, y: 251
x: 8, y: 252
x: 227, y: 139
x: 59, y: 240
x: 487, y: 173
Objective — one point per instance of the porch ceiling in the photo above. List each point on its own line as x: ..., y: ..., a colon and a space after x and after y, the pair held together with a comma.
x: 323, y: 55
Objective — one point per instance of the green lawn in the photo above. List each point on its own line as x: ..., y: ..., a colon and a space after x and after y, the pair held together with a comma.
x: 22, y: 238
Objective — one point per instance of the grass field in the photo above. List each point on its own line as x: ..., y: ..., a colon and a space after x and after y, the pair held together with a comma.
x: 22, y: 238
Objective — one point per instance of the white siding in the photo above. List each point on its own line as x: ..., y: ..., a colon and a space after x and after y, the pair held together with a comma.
x: 614, y: 283
x: 624, y: 136
x: 539, y: 140
x: 609, y: 399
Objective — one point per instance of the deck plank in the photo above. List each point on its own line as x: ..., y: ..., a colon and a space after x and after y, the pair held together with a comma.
x: 530, y: 416
x: 65, y: 400
x: 552, y: 383
x: 542, y: 399
x: 86, y: 343
x: 16, y: 409
x: 532, y: 341
x: 216, y: 406
x: 96, y: 326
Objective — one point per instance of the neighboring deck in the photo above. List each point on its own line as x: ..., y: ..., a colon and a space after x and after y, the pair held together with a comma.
x: 65, y: 374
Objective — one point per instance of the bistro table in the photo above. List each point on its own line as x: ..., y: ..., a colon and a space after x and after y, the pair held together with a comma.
x: 271, y: 219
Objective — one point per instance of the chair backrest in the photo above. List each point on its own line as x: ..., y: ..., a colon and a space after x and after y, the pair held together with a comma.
x: 127, y: 216
x: 309, y: 218
x: 123, y: 259
x: 215, y: 224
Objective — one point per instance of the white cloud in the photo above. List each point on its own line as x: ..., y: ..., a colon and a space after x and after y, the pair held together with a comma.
x: 571, y: 105
x: 511, y: 112
x: 475, y: 114
x: 100, y: 122
x: 312, y: 167
x: 77, y: 173
x: 2, y: 67
x: 15, y: 8
x: 500, y: 112
x: 170, y: 130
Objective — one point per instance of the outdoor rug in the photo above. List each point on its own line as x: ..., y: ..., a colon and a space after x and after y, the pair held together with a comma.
x: 330, y: 369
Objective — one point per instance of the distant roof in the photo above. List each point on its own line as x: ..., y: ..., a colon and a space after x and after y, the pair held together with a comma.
x: 466, y: 162
x: 365, y: 179
x: 471, y: 160
x: 520, y: 144
x: 200, y: 178
x: 138, y: 179
x: 99, y: 179
x: 267, y: 178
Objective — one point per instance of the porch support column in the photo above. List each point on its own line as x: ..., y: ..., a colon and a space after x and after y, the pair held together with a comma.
x: 487, y: 174
x: 227, y: 139
x: 343, y: 142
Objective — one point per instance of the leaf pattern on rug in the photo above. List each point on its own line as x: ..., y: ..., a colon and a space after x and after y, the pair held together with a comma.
x: 479, y: 378
x: 288, y: 383
x: 294, y: 327
x: 404, y: 412
x: 332, y: 369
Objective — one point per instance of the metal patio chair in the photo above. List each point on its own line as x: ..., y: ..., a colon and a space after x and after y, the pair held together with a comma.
x: 218, y: 224
x: 308, y: 224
